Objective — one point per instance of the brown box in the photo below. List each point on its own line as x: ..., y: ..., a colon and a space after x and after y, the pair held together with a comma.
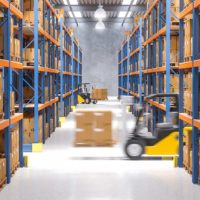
x: 102, y: 119
x: 84, y: 118
x: 46, y: 131
x: 29, y: 17
x: 46, y: 92
x: 29, y: 55
x: 17, y: 48
x: 102, y: 136
x: 29, y: 5
x: 84, y: 135
x: 2, y: 169
x: 12, y: 100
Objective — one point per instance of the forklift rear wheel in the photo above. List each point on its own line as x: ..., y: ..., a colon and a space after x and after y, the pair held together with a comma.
x: 134, y: 149
x: 95, y: 102
x: 87, y: 100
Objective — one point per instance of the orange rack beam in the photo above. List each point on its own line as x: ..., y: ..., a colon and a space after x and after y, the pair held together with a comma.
x: 136, y: 28
x: 4, y: 3
x: 76, y: 59
x: 67, y: 73
x: 196, y: 123
x: 51, y: 8
x: 16, y: 118
x: 156, y: 104
x: 134, y: 73
x: 14, y: 10
x: 67, y: 52
x: 4, y: 123
x: 196, y: 3
x: 4, y: 63
x: 186, y: 118
x: 185, y: 65
x: 196, y: 63
x: 186, y: 11
x: 134, y: 94
x: 134, y: 51
x: 151, y: 8
x: 67, y: 94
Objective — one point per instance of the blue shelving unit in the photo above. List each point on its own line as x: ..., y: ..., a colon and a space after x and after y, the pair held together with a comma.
x: 12, y: 71
x: 192, y: 65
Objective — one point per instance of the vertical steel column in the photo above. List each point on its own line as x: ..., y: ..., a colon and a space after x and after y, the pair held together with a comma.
x: 128, y: 65
x: 195, y: 98
x: 7, y: 89
x: 72, y: 78
x: 168, y: 19
x: 36, y: 139
x: 20, y: 91
x: 140, y: 60
x: 61, y: 68
x: 181, y: 90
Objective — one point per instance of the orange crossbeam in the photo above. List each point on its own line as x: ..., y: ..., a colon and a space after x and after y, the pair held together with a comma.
x: 186, y: 11
x: 156, y: 104
x: 196, y: 63
x: 196, y: 123
x: 16, y: 118
x: 134, y: 73
x: 134, y: 94
x: 16, y: 11
x: 4, y: 123
x: 67, y: 52
x: 136, y: 28
x: 151, y: 8
x: 186, y: 118
x: 67, y: 73
x: 4, y: 63
x: 197, y: 3
x: 51, y: 8
x: 185, y: 65
x: 76, y: 59
x: 4, y: 3
x: 66, y: 94
x: 134, y: 52
x: 16, y: 65
x: 155, y: 36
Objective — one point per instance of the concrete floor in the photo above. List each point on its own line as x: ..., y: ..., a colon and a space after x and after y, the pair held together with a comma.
x: 63, y: 172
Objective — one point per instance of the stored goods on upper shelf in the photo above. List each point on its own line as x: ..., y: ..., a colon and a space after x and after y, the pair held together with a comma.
x: 29, y: 56
x: 1, y: 94
x: 29, y: 17
x: 2, y: 171
x: 188, y: 39
x: 29, y: 5
x: 16, y: 3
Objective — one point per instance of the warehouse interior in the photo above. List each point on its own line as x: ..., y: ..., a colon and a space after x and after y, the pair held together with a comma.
x: 99, y: 99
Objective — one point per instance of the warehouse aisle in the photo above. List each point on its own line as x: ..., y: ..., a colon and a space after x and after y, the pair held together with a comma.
x: 63, y: 172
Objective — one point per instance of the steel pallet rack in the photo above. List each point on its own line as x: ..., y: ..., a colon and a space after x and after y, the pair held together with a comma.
x: 123, y: 64
x: 12, y: 70
x: 45, y: 74
x: 194, y: 66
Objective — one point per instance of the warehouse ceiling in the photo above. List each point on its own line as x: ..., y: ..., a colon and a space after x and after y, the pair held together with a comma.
x: 118, y: 11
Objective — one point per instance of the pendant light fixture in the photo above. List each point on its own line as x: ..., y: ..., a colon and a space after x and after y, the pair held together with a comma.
x: 100, y: 13
x: 100, y: 25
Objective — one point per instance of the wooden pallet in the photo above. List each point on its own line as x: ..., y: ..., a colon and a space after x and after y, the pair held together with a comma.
x: 28, y: 63
x: 3, y: 183
x: 187, y: 58
x: 189, y: 112
x: 94, y: 144
x: 15, y: 58
x: 172, y: 64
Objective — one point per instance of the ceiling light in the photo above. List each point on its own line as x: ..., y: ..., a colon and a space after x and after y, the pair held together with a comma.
x: 76, y: 14
x: 128, y: 2
x: 73, y: 2
x: 100, y: 13
x: 122, y: 14
x: 65, y: 2
x: 100, y: 25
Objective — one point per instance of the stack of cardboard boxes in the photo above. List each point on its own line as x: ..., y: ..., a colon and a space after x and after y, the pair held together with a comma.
x: 29, y: 12
x: 187, y: 149
x: 14, y: 148
x: 29, y: 128
x: 99, y: 94
x: 188, y: 38
x: 94, y: 128
x: 188, y: 92
x: 2, y: 171
x: 29, y: 56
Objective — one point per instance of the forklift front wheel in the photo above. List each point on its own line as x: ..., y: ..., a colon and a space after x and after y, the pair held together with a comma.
x: 134, y: 149
x: 95, y: 102
x: 87, y: 100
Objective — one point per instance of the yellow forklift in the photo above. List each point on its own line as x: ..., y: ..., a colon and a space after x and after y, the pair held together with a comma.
x: 164, y: 138
x: 84, y: 95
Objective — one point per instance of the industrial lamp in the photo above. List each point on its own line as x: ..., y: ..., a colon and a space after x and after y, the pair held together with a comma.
x: 100, y: 25
x: 100, y: 13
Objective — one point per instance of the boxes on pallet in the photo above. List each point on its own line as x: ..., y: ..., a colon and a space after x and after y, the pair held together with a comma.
x: 16, y: 3
x: 17, y: 48
x: 46, y: 93
x: 12, y: 101
x: 2, y: 169
x: 29, y: 5
x: 188, y: 37
x: 29, y: 128
x: 99, y: 94
x: 93, y: 127
x: 29, y: 55
x: 29, y: 17
x: 46, y: 131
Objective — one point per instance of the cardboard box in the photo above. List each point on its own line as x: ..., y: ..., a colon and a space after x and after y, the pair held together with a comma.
x: 102, y: 119
x: 17, y: 48
x: 84, y: 118
x: 29, y: 5
x: 12, y: 100
x: 2, y: 169
x: 46, y: 131
x: 29, y: 55
x: 84, y: 135
x: 29, y: 17
x: 103, y: 136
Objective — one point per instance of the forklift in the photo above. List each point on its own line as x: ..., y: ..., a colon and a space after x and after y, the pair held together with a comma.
x: 163, y: 140
x: 84, y: 95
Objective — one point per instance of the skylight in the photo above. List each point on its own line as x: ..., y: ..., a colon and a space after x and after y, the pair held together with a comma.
x: 122, y: 14
x: 128, y: 2
x: 72, y: 2
x: 76, y: 13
